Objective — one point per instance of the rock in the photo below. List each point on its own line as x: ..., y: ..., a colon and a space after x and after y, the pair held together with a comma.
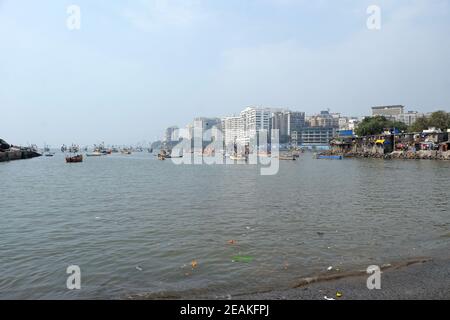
x: 4, y: 145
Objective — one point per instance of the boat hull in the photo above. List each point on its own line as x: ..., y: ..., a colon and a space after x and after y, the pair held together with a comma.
x: 329, y: 157
x: 75, y: 159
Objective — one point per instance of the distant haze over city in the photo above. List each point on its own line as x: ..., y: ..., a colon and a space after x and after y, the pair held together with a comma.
x: 135, y: 68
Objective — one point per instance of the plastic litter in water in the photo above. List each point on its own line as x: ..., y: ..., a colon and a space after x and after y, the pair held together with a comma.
x: 246, y: 259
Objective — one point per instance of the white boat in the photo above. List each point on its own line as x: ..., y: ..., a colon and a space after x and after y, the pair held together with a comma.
x: 237, y: 157
x: 94, y: 154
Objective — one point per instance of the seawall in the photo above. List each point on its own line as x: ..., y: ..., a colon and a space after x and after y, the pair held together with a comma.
x: 17, y: 155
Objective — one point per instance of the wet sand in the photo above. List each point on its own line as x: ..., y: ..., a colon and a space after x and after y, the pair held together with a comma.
x: 422, y: 278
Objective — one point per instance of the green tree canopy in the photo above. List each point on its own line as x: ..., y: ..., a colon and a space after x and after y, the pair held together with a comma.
x: 438, y: 119
x: 376, y: 125
x: 419, y: 125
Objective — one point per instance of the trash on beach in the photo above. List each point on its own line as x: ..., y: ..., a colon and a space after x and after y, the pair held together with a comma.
x: 245, y: 259
x: 326, y: 298
x: 338, y: 294
x: 138, y: 268
x: 232, y: 242
x: 194, y: 264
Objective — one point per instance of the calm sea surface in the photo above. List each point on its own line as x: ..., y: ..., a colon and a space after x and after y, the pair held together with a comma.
x: 134, y: 224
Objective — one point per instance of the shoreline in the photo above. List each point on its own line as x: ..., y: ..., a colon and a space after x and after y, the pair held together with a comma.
x: 415, y: 279
x: 411, y: 279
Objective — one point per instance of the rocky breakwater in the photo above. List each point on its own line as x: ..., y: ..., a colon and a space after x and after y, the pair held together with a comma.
x: 10, y: 153
x: 411, y: 155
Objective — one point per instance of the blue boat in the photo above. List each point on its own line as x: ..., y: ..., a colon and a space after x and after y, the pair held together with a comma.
x: 329, y: 157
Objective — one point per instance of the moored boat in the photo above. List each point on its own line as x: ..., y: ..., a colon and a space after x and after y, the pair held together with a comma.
x: 236, y: 157
x: 94, y: 154
x: 74, y: 159
x: 329, y: 157
x: 287, y: 157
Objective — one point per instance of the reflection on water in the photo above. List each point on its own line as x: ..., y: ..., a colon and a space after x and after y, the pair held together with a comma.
x: 134, y: 224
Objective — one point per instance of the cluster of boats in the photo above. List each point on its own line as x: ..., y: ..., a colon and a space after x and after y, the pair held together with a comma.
x: 291, y: 155
x: 74, y: 155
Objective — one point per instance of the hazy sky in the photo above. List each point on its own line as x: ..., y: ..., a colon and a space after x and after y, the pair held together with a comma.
x: 136, y: 67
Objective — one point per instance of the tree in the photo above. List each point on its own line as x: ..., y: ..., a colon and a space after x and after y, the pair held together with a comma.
x: 376, y: 125
x: 371, y: 126
x: 419, y: 125
x: 401, y: 126
x: 440, y: 120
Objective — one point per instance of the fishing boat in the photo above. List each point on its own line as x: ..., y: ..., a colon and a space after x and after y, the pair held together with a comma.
x: 162, y: 155
x: 125, y: 151
x: 237, y: 157
x: 329, y: 157
x: 290, y: 157
x: 74, y: 148
x: 94, y: 154
x: 74, y: 159
x: 47, y: 152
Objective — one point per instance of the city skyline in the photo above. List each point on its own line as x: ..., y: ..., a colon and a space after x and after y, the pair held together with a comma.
x: 135, y: 68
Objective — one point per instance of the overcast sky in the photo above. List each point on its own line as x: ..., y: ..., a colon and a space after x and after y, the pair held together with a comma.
x: 137, y: 67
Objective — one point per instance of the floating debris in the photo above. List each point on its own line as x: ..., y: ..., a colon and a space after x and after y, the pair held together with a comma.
x: 138, y: 268
x: 338, y: 294
x: 194, y: 264
x: 246, y: 259
x: 329, y: 268
x: 326, y: 298
x: 232, y: 242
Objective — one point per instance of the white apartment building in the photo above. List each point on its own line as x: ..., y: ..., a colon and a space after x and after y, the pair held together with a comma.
x: 254, y: 120
x: 397, y: 113
x: 409, y: 117
x: 231, y: 128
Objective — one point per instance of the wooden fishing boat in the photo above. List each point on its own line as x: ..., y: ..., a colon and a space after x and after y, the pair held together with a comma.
x: 74, y: 159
